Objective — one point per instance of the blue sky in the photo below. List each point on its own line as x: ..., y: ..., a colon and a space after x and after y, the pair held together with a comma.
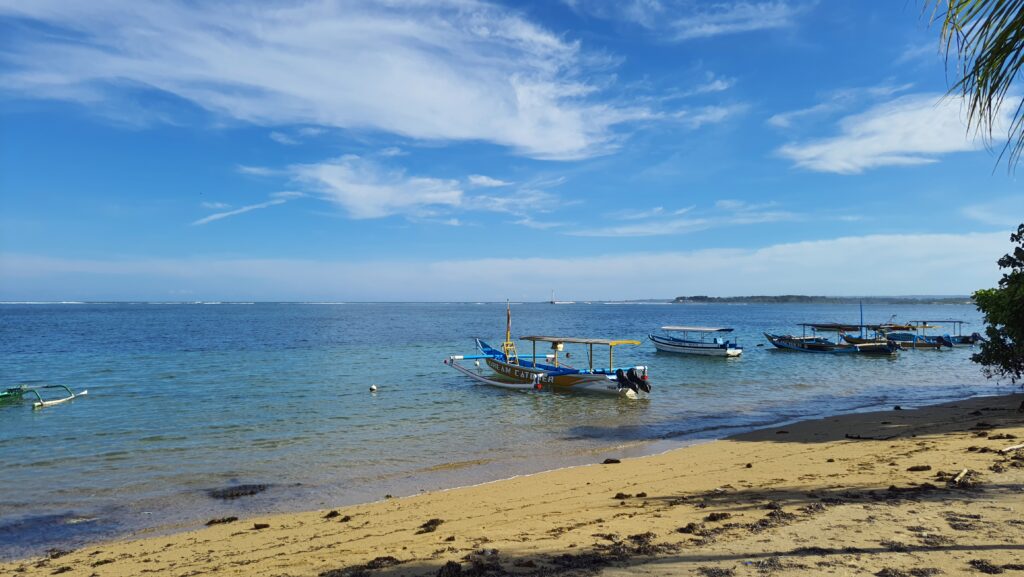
x: 463, y: 150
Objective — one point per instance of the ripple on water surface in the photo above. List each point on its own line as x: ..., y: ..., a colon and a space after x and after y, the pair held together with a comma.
x: 184, y: 399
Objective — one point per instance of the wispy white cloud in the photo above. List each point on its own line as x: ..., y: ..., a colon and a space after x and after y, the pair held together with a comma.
x: 221, y: 215
x: 640, y: 214
x: 643, y: 12
x: 530, y: 222
x: 712, y: 84
x: 686, y: 20
x: 275, y: 199
x: 908, y: 131
x: 858, y: 265
x: 786, y: 119
x: 659, y: 222
x: 486, y: 181
x: 921, y: 52
x: 699, y: 117
x: 1006, y: 211
x: 367, y: 189
x: 373, y: 187
x: 836, y: 101
x: 392, y: 151
x: 452, y: 70
x: 282, y: 138
x: 256, y: 170
x: 732, y: 18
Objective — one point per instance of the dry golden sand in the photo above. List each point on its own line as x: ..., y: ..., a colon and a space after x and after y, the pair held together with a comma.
x: 798, y: 500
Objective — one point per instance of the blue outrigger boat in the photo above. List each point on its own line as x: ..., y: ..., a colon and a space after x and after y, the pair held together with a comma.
x: 957, y: 338
x: 820, y: 344
x: 537, y: 372
x: 917, y: 339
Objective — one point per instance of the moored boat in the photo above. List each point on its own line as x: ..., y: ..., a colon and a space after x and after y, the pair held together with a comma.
x: 546, y: 371
x: 819, y: 344
x: 918, y: 339
x: 956, y: 337
x: 715, y: 346
x: 16, y: 394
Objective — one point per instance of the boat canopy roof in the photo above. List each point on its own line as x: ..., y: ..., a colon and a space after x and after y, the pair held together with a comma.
x: 698, y: 329
x: 945, y: 322
x: 606, y: 342
x: 831, y: 326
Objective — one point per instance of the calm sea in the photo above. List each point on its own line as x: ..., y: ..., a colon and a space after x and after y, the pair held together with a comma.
x: 184, y: 398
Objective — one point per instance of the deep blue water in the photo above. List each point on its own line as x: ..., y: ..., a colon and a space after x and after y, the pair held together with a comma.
x: 184, y: 398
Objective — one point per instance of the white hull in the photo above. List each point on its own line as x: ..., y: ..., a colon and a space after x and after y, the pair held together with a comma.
x: 707, y: 351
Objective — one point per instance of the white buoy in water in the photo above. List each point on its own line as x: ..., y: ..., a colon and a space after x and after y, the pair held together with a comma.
x: 373, y: 388
x: 477, y: 363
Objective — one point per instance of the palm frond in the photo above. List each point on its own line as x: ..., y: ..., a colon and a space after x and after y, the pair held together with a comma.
x: 988, y: 39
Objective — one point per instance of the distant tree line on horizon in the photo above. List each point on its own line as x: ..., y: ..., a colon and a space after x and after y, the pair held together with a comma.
x: 805, y: 299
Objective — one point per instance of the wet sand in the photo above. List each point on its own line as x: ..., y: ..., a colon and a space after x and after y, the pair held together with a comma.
x: 912, y: 492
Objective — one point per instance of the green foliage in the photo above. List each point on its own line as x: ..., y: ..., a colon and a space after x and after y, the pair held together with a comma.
x: 988, y: 36
x: 1003, y: 354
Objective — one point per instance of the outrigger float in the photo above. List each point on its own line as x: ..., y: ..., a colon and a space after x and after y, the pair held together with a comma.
x: 537, y: 372
x: 16, y: 394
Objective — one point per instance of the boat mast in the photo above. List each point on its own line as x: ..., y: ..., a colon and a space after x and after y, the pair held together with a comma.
x: 508, y: 347
x: 862, y: 319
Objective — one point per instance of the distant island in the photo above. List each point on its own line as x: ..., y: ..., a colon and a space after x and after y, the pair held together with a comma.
x: 805, y: 299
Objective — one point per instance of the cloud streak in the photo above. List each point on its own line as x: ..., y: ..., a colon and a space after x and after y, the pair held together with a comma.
x: 276, y: 199
x: 681, y: 20
x: 911, y: 130
x: 367, y: 189
x: 734, y: 18
x: 452, y: 70
x: 659, y: 222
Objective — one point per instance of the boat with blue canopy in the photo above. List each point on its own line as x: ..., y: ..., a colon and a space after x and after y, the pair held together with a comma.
x: 956, y: 337
x: 916, y: 337
x: 818, y: 344
x: 546, y: 370
x: 704, y: 344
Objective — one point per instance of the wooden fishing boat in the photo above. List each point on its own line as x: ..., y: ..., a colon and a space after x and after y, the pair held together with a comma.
x: 819, y: 344
x: 956, y: 337
x: 16, y: 394
x: 824, y: 345
x: 918, y: 339
x: 546, y: 371
x: 714, y: 346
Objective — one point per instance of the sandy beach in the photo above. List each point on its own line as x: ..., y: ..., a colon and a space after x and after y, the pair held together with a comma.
x: 882, y: 493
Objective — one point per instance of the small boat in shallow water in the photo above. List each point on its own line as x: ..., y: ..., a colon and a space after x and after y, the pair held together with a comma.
x: 824, y: 345
x: 819, y: 344
x: 16, y: 394
x: 546, y: 371
x: 957, y: 338
x: 918, y: 339
x: 715, y: 346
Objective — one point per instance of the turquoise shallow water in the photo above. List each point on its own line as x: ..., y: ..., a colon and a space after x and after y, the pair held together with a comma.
x: 184, y: 398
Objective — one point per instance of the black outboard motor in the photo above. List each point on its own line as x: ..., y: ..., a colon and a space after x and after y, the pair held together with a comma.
x: 977, y: 338
x: 638, y: 381
x: 623, y: 379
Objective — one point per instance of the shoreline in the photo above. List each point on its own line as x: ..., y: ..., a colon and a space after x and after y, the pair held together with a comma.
x: 617, y: 516
x: 427, y: 479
